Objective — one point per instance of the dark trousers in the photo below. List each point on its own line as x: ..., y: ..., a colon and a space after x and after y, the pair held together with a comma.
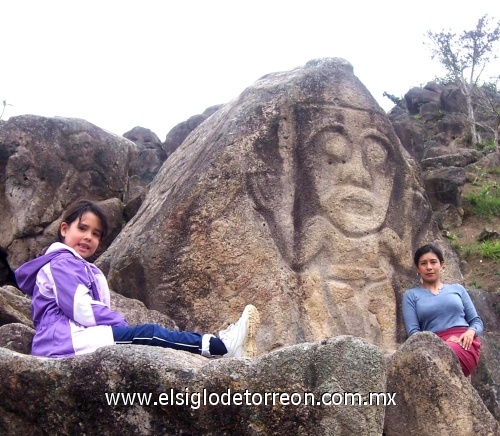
x: 153, y: 334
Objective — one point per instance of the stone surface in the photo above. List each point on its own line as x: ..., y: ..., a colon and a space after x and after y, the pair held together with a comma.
x: 15, y: 307
x: 444, y: 186
x: 449, y: 217
x: 16, y: 337
x: 136, y: 312
x: 490, y: 161
x: 146, y: 162
x: 415, y: 98
x: 297, y: 197
x: 46, y: 164
x: 67, y: 396
x: 486, y: 377
x: 143, y: 138
x: 432, y: 395
x: 411, y: 133
x: 462, y: 158
x: 180, y: 132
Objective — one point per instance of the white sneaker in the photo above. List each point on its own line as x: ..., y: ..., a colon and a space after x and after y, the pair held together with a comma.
x: 239, y: 338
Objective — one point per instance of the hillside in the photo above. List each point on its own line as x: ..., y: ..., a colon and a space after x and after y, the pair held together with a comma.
x: 480, y: 260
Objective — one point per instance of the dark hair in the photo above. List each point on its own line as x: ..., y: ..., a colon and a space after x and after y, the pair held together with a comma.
x: 429, y: 248
x: 77, y: 210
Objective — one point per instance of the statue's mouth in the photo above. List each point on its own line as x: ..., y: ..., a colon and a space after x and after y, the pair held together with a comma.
x: 358, y: 203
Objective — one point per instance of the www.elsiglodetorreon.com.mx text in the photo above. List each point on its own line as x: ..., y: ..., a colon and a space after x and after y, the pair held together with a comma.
x: 196, y: 399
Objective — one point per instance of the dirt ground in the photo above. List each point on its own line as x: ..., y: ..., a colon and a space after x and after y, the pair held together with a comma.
x: 481, y: 273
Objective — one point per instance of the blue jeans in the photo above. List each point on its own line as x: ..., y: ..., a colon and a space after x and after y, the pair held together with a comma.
x: 153, y: 334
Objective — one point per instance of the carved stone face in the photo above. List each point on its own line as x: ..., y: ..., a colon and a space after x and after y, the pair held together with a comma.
x: 352, y: 172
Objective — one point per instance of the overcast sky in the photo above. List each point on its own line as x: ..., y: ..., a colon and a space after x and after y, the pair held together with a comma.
x: 154, y: 63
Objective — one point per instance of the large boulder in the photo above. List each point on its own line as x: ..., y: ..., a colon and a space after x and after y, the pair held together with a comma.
x: 411, y: 133
x: 432, y: 396
x: 47, y: 163
x: 180, y: 132
x: 458, y: 158
x: 297, y: 197
x: 15, y: 307
x: 486, y: 377
x: 136, y: 312
x: 16, y: 337
x: 445, y: 186
x: 267, y: 395
x: 146, y: 162
x: 415, y: 98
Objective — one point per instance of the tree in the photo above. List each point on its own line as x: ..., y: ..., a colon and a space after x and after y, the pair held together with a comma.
x: 5, y: 104
x: 465, y: 58
x: 488, y: 105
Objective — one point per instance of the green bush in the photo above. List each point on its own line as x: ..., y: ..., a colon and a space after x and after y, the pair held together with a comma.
x: 489, y: 144
x: 487, y: 250
x: 484, y: 203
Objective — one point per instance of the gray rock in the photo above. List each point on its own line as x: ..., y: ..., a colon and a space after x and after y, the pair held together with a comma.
x: 145, y: 164
x: 461, y: 159
x: 449, y: 217
x: 136, y: 312
x: 486, y: 377
x: 416, y: 97
x: 16, y: 337
x: 15, y: 307
x: 143, y: 138
x: 180, y: 132
x: 46, y: 164
x: 444, y: 186
x: 68, y: 396
x: 488, y: 234
x: 432, y: 395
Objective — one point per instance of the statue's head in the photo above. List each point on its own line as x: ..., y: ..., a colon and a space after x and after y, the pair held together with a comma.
x: 347, y: 151
x: 347, y: 156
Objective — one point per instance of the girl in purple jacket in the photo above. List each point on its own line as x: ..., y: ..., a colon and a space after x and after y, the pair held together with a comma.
x: 71, y: 302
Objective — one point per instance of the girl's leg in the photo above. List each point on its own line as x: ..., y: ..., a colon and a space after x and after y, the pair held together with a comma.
x: 155, y: 335
x: 235, y: 341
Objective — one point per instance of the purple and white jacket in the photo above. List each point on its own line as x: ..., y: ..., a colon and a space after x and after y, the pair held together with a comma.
x: 70, y: 303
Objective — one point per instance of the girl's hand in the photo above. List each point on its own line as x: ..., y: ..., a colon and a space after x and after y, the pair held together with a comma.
x: 465, y: 340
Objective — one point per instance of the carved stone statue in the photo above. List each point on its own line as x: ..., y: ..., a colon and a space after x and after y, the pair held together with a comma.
x: 297, y: 197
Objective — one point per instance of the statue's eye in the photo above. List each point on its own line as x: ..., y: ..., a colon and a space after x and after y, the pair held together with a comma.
x: 374, y: 151
x: 334, y: 144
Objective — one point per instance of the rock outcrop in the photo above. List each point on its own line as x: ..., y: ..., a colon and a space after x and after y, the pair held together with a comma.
x: 432, y: 128
x: 180, y: 132
x: 144, y: 166
x: 15, y: 307
x: 45, y: 164
x: 432, y: 395
x: 297, y: 197
x: 486, y: 377
x: 68, y: 396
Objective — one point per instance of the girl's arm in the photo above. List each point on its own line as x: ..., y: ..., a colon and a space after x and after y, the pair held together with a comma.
x: 410, y: 314
x: 72, y: 292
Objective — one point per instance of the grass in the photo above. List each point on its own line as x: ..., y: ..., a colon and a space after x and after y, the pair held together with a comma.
x: 489, y: 144
x: 486, y: 250
x: 485, y: 202
x: 476, y: 284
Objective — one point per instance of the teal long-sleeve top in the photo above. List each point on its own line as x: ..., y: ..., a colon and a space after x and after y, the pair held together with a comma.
x: 452, y: 307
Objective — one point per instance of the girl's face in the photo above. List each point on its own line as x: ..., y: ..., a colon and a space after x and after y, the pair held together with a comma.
x: 429, y: 267
x: 83, y: 235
